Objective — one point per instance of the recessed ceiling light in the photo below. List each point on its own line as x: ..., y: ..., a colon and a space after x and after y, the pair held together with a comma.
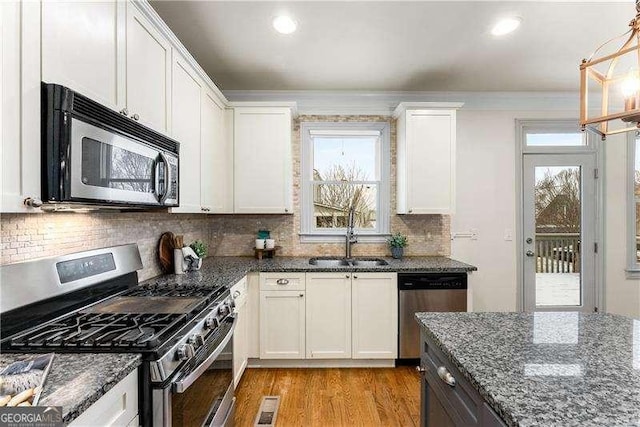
x: 285, y: 24
x: 506, y: 26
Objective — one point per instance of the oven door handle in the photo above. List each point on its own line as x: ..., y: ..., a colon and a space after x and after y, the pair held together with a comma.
x: 167, y: 178
x: 183, y: 384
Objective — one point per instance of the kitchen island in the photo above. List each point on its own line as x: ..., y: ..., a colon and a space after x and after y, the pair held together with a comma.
x: 530, y: 369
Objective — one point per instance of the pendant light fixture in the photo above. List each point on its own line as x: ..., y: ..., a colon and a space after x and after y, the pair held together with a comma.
x: 610, y: 84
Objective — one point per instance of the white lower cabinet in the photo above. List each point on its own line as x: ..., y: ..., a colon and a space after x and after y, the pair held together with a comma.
x: 374, y: 315
x: 328, y: 316
x: 118, y: 407
x: 282, y: 316
x: 241, y: 333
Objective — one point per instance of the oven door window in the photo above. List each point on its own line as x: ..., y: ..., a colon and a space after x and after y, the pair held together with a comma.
x: 205, y: 398
x: 109, y: 166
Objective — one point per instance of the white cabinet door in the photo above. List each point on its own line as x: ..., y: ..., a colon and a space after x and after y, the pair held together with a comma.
x: 328, y: 315
x: 375, y: 316
x: 20, y: 81
x: 186, y: 130
x: 282, y: 331
x: 83, y: 48
x: 217, y: 158
x: 118, y: 407
x: 241, y: 333
x: 262, y: 160
x: 426, y: 162
x: 148, y: 72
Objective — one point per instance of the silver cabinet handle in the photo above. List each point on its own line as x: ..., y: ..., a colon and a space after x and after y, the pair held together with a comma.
x: 124, y: 111
x: 282, y: 281
x: 446, y: 376
x: 530, y: 253
x: 135, y: 117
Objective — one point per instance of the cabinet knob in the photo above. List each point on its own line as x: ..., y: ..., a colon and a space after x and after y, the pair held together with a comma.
x: 124, y: 111
x: 420, y: 369
x: 410, y: 210
x: 135, y: 117
x: 355, y: 277
x: 347, y: 276
x: 301, y: 295
x: 286, y: 210
x: 32, y: 202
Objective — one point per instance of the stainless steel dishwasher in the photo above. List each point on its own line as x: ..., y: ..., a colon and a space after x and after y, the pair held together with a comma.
x: 419, y: 292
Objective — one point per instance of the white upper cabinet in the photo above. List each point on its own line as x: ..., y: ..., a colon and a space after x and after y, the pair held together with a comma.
x: 186, y: 103
x: 216, y: 160
x: 262, y: 160
x: 328, y: 335
x: 20, y: 108
x: 375, y: 315
x: 426, y: 162
x: 148, y: 72
x: 83, y: 48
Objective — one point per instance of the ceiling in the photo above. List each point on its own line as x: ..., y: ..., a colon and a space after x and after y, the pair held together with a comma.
x: 394, y: 46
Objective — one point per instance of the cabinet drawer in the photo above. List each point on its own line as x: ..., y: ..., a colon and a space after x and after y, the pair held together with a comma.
x: 461, y: 401
x: 282, y: 282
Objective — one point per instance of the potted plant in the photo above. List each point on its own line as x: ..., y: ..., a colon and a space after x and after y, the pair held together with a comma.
x: 397, y: 243
x: 200, y: 250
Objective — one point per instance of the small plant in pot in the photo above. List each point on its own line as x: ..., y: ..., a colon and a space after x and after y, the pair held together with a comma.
x: 397, y: 243
x: 200, y: 250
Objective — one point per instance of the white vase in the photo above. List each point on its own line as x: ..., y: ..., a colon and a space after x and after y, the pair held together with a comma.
x: 178, y: 261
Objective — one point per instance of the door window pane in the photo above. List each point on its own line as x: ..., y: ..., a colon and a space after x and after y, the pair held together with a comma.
x: 557, y: 242
x: 574, y: 139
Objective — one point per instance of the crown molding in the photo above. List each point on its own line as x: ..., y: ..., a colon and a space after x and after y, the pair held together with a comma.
x: 384, y: 103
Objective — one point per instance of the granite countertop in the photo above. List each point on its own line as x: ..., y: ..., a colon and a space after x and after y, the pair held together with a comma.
x: 76, y: 381
x: 227, y: 271
x: 546, y: 369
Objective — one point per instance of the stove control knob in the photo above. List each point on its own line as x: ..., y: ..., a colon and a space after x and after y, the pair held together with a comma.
x: 223, y: 310
x: 185, y: 352
x: 196, y: 340
x: 211, y: 323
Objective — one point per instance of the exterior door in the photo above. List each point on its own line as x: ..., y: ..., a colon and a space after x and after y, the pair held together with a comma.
x: 559, y: 229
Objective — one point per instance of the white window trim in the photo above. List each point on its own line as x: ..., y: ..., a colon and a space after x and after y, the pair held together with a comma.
x: 307, y: 232
x: 633, y: 267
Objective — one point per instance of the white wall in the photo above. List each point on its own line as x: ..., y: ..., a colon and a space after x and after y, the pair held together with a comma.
x: 622, y: 295
x: 486, y: 198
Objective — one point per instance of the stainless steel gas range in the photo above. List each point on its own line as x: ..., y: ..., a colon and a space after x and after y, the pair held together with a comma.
x: 91, y: 302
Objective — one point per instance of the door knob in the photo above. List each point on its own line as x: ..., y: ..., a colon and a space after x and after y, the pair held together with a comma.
x: 530, y: 253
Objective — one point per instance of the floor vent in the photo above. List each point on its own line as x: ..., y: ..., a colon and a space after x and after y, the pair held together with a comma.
x: 268, y: 412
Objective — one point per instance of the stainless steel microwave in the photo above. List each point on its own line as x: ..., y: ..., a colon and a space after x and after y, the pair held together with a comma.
x: 93, y: 156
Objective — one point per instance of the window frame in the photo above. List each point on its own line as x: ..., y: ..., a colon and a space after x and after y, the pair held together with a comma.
x: 308, y: 232
x: 633, y: 265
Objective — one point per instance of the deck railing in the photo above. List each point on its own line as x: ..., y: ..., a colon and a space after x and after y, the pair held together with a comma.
x: 557, y: 252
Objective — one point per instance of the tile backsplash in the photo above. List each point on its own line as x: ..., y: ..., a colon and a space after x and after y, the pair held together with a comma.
x: 29, y: 236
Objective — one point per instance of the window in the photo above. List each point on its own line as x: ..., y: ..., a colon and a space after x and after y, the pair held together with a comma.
x: 634, y: 203
x: 344, y: 165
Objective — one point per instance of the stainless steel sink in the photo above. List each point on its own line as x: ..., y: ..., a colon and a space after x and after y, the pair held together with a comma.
x: 329, y: 262
x: 369, y: 262
x: 343, y: 262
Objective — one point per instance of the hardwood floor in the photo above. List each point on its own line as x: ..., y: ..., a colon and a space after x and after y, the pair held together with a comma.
x: 332, y: 397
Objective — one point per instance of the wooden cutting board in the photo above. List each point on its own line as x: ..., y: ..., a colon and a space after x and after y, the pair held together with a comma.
x: 165, y: 252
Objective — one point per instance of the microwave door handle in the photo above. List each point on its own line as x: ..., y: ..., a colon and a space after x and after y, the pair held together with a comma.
x: 167, y: 178
x: 156, y: 180
x: 182, y: 385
